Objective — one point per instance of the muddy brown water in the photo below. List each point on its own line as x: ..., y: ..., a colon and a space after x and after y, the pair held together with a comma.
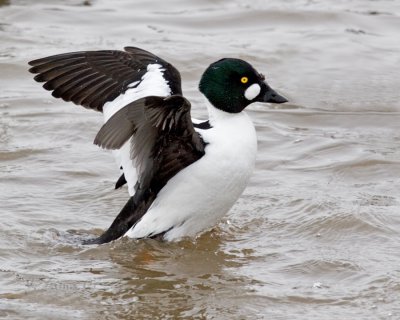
x: 314, y: 236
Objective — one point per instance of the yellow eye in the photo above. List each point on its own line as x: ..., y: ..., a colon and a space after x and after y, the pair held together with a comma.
x: 244, y: 80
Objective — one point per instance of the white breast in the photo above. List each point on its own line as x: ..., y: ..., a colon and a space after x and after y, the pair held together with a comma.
x: 152, y: 84
x: 199, y: 195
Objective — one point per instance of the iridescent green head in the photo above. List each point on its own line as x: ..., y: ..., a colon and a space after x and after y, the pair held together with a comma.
x: 232, y: 84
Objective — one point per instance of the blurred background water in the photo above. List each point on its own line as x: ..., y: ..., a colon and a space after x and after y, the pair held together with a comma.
x: 314, y: 236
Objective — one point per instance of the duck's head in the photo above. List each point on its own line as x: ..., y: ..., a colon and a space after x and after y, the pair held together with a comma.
x: 232, y: 84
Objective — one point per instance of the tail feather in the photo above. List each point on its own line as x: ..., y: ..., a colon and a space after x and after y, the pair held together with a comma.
x: 130, y: 214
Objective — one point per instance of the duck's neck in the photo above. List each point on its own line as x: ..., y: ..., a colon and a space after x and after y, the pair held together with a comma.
x: 216, y: 114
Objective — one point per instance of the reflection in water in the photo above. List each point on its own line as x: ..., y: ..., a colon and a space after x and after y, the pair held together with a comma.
x: 130, y: 278
x: 178, y: 279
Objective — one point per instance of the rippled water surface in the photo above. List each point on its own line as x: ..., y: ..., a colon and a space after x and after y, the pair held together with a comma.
x: 314, y: 236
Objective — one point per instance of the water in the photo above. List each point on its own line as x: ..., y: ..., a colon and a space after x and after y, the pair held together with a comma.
x: 314, y: 236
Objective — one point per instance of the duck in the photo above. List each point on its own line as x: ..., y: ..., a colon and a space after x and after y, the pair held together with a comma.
x: 183, y: 174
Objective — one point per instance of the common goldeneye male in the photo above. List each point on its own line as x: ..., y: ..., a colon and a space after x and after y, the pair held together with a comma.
x: 182, y: 175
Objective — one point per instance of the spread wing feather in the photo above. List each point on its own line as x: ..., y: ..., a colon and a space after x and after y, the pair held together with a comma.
x: 92, y: 78
x: 165, y: 142
x: 158, y: 125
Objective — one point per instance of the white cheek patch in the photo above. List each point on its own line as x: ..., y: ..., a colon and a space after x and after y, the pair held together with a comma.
x: 252, y: 91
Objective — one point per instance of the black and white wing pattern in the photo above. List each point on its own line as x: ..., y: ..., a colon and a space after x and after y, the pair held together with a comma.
x: 164, y: 143
x: 106, y: 81
x: 93, y: 78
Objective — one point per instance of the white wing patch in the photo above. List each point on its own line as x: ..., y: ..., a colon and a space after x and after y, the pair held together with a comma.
x: 152, y: 83
x: 252, y: 91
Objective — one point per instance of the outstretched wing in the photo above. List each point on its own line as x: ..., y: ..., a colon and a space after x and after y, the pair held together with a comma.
x: 92, y: 78
x: 165, y: 142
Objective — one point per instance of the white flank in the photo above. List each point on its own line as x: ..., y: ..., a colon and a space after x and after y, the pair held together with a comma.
x: 252, y: 91
x: 198, y: 196
x: 152, y: 84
